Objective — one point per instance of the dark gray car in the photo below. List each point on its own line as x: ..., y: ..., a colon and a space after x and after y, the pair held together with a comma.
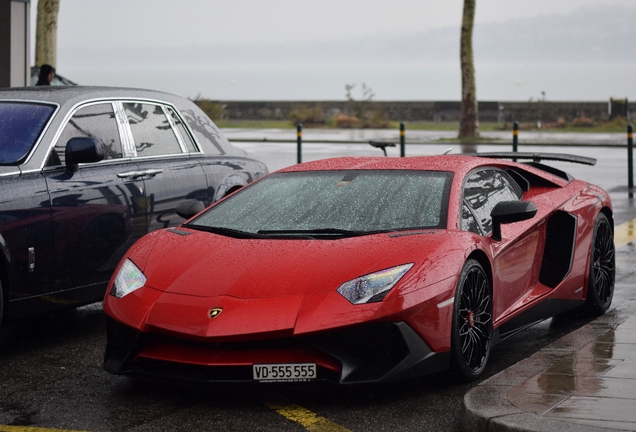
x: 85, y: 172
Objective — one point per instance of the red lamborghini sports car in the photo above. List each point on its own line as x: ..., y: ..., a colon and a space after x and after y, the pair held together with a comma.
x: 357, y: 270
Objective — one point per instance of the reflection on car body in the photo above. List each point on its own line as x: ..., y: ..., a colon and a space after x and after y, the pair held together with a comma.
x: 85, y: 172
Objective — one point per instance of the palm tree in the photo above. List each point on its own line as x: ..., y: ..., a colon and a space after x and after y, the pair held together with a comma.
x: 46, y: 33
x: 469, y: 126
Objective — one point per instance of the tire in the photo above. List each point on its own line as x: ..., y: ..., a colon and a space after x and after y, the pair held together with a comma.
x: 472, y: 322
x: 602, y: 271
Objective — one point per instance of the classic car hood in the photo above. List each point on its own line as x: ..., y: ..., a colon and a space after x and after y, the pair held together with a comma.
x: 202, y: 264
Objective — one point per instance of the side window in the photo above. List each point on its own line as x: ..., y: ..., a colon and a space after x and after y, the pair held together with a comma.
x: 94, y: 121
x: 185, y: 136
x: 482, y: 191
x: 469, y: 223
x: 151, y: 130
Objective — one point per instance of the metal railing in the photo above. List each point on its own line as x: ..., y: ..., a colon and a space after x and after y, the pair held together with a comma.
x: 402, y: 134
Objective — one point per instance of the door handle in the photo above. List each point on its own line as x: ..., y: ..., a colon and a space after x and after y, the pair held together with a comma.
x: 137, y: 174
x: 130, y: 174
x: 153, y: 172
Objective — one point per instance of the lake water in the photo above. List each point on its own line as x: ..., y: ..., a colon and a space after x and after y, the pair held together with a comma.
x: 405, y: 81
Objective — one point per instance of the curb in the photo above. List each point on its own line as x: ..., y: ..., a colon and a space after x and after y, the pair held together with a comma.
x: 487, y: 408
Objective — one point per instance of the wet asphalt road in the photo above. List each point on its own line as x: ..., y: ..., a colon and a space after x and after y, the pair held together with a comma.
x: 51, y: 373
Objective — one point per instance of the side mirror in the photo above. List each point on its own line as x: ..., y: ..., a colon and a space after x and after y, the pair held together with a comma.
x: 189, y: 208
x: 506, y: 212
x: 82, y: 150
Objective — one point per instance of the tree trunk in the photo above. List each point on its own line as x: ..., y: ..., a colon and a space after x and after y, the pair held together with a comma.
x: 469, y: 126
x: 46, y: 33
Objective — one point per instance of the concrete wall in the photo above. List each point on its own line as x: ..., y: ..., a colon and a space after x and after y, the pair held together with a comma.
x: 490, y: 111
x: 14, y: 43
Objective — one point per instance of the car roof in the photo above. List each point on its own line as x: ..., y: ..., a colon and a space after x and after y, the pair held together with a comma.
x: 65, y: 94
x: 451, y: 163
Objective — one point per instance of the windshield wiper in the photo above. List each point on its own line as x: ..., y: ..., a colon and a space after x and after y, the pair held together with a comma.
x: 284, y: 233
x: 229, y: 232
x: 320, y: 231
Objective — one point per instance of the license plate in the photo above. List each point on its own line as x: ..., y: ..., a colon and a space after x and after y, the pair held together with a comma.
x: 284, y: 372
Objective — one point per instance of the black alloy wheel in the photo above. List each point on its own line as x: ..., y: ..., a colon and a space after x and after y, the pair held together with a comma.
x: 472, y: 322
x: 600, y: 286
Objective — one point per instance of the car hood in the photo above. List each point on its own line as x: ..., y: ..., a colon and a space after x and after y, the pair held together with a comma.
x: 203, y: 264
x: 275, y: 286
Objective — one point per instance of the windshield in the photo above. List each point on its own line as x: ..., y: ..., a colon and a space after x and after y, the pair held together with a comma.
x: 361, y: 201
x: 20, y: 126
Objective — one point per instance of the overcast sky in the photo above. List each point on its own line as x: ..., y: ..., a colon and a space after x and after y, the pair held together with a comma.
x: 116, y: 23
x: 92, y: 35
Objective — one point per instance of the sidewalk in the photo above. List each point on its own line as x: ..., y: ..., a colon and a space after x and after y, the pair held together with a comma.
x: 585, y: 381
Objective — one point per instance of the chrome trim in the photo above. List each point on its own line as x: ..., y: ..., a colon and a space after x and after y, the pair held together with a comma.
x: 120, y: 129
x: 18, y: 172
x: 102, y: 162
x: 31, y: 259
x: 61, y: 167
x: 137, y: 174
x: 127, y: 140
x: 92, y: 101
x: 5, y: 249
x: 67, y: 118
x: 186, y: 127
x: 117, y: 101
x: 163, y: 156
x: 175, y: 130
x: 163, y: 106
x: 46, y: 127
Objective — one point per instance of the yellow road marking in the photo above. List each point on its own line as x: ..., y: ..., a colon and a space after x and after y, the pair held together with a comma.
x: 625, y: 233
x: 309, y: 420
x: 4, y: 428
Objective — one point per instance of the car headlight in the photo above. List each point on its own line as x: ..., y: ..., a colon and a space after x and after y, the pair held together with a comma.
x: 372, y: 287
x: 129, y: 278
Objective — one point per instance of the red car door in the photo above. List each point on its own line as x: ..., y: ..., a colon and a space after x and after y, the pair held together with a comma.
x: 513, y: 256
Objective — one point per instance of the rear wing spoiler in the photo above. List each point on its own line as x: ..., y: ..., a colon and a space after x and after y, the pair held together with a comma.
x: 538, y: 157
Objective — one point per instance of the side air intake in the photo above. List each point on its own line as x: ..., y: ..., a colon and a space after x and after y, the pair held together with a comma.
x: 559, y: 249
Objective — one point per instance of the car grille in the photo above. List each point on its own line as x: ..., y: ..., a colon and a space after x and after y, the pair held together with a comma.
x: 368, y: 353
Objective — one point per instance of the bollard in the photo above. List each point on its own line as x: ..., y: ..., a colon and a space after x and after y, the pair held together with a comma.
x: 299, y: 143
x: 402, y: 143
x: 630, y: 156
x: 515, y: 136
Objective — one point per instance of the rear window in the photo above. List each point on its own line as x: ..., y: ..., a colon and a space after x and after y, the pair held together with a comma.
x: 151, y: 130
x: 20, y: 127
